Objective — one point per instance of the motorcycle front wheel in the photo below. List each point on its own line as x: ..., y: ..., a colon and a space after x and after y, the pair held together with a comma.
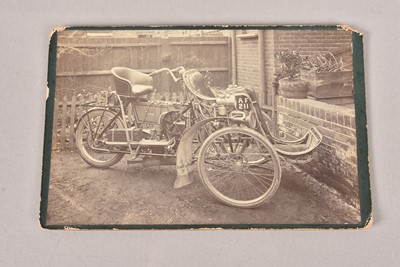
x: 90, y: 143
x: 239, y: 167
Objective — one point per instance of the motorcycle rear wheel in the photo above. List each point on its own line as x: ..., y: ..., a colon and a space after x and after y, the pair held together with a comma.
x: 89, y: 146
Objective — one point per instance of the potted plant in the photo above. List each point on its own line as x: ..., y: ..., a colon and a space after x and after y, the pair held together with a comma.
x: 290, y: 84
x: 326, y: 77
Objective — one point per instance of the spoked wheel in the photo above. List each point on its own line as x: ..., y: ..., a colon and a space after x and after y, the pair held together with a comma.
x: 90, y: 141
x: 239, y: 167
x: 199, y: 138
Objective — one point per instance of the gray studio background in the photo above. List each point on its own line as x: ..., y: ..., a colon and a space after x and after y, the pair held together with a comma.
x: 25, y: 29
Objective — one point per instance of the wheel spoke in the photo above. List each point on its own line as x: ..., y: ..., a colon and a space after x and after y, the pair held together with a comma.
x: 260, y: 180
x: 93, y: 148
x: 238, y: 167
x: 238, y: 142
x: 258, y: 191
x: 230, y: 142
x: 226, y: 177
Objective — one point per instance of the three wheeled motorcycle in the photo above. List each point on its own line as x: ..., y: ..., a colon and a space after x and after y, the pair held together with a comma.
x: 224, y: 133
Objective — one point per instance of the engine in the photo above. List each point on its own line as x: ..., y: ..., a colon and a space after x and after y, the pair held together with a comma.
x: 237, y: 104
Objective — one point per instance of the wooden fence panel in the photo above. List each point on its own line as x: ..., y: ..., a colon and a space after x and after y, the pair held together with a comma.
x: 84, y: 63
x: 81, y: 101
x: 166, y: 96
x: 66, y: 116
x: 63, y: 121
x: 181, y: 97
x: 72, y: 122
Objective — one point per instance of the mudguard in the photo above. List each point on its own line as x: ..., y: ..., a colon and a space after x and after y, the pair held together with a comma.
x: 93, y: 109
x: 184, y: 162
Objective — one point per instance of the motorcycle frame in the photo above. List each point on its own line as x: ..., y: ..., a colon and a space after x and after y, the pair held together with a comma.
x: 119, y: 111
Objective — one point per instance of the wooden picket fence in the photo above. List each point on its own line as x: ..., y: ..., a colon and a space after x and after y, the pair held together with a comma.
x: 67, y: 113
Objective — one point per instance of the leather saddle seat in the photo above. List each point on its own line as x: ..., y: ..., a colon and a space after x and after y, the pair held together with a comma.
x: 139, y: 89
x: 131, y: 83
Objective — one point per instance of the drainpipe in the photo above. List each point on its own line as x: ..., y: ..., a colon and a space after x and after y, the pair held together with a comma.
x: 261, y: 56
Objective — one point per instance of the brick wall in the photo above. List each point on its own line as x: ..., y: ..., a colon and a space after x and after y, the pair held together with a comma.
x: 270, y: 66
x: 306, y: 41
x: 335, y: 160
x: 311, y: 41
x: 248, y: 70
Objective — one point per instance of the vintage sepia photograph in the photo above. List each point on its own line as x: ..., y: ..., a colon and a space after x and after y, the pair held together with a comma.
x: 206, y: 127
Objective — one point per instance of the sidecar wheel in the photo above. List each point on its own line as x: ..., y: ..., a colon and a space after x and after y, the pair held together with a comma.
x: 239, y: 167
x: 84, y: 141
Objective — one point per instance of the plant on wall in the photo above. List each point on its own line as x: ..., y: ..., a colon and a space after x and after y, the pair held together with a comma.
x: 322, y: 62
x: 290, y: 85
x: 290, y: 61
x: 327, y: 79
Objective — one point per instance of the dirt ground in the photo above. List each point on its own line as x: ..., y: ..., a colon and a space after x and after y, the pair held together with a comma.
x: 131, y: 194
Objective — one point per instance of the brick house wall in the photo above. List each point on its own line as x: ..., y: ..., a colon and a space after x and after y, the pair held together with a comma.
x: 311, y: 41
x: 305, y: 41
x: 335, y: 159
x: 248, y: 70
x: 270, y: 65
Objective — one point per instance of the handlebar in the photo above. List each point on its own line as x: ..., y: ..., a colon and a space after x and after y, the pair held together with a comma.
x: 171, y: 72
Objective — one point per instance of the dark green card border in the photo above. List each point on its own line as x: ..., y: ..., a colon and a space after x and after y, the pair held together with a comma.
x: 361, y: 125
x: 48, y: 129
x: 361, y: 128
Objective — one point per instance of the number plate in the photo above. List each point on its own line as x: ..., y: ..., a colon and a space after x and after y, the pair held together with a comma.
x: 242, y: 102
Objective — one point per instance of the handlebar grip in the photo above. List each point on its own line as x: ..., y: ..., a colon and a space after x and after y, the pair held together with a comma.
x: 170, y: 72
x: 180, y: 68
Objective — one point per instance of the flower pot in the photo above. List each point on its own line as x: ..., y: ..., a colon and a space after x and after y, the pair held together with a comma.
x: 295, y: 88
x: 325, y: 85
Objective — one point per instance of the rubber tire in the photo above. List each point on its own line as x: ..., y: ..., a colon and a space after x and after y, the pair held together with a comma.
x: 222, y: 198
x: 80, y: 147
